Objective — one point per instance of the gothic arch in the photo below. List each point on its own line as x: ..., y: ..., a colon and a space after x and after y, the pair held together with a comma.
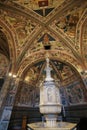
x: 57, y: 55
x: 11, y: 39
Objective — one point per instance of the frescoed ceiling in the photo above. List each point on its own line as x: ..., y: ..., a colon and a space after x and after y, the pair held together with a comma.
x: 31, y: 30
x: 68, y: 23
x: 41, y: 7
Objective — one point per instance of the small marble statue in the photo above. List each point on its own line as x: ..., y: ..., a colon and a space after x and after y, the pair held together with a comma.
x: 48, y: 71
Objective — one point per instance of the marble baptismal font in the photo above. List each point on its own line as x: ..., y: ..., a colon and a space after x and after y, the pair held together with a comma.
x: 50, y: 105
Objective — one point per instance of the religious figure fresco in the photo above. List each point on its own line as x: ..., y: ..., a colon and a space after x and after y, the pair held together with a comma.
x: 69, y: 22
x: 63, y: 96
x: 30, y: 99
x: 22, y: 26
x: 75, y: 94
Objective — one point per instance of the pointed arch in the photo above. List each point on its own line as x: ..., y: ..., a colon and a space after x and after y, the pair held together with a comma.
x: 11, y: 39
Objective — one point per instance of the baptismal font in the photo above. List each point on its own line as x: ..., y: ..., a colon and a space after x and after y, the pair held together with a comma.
x: 50, y: 105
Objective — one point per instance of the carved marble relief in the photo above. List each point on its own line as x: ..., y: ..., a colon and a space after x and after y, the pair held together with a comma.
x: 49, y: 95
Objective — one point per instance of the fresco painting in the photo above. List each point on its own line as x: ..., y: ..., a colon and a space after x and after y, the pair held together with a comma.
x: 37, y: 4
x: 63, y: 96
x: 84, y: 42
x: 3, y: 65
x: 30, y: 99
x: 68, y: 23
x: 75, y: 94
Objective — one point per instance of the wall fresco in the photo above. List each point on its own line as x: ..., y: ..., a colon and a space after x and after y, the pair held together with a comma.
x: 37, y: 72
x: 34, y: 74
x: 29, y: 97
x: 53, y: 54
x: 63, y: 96
x: 3, y: 65
x: 70, y: 95
x: 76, y: 94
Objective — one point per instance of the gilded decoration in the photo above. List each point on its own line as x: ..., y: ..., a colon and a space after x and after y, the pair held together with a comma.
x: 9, y: 39
x: 47, y: 39
x: 37, y: 72
x: 69, y: 22
x: 37, y: 4
x: 53, y: 54
x: 32, y: 76
x: 80, y: 25
x: 21, y: 26
x: 84, y: 41
x: 41, y: 7
x: 35, y: 28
